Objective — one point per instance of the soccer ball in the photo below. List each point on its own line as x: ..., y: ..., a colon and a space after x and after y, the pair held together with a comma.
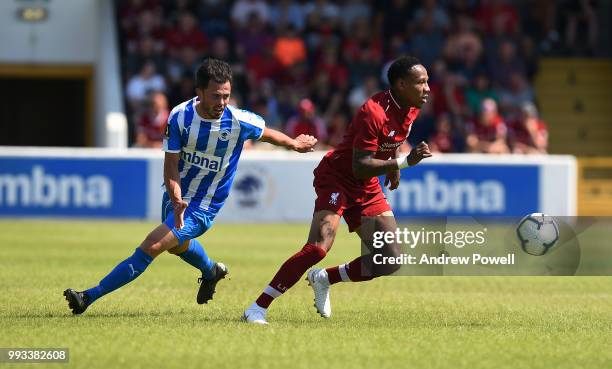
x: 537, y: 233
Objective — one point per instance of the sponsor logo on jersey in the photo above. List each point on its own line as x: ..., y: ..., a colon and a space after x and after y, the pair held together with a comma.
x: 389, y: 146
x: 208, y: 162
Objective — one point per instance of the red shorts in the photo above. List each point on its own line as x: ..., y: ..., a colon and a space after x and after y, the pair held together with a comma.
x: 349, y: 201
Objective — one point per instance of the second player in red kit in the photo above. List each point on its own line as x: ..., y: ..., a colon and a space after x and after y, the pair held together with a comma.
x: 346, y: 184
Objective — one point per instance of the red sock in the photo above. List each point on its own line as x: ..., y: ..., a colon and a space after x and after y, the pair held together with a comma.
x: 347, y: 272
x: 290, y: 272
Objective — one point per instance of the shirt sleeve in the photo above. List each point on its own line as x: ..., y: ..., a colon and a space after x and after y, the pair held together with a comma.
x: 251, y: 125
x: 172, y: 134
x: 367, y: 126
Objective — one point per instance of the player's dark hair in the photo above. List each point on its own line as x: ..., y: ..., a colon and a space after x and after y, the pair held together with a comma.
x: 400, y: 68
x: 213, y: 70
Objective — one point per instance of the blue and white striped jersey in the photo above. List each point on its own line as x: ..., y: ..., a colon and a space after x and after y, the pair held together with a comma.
x: 209, y: 151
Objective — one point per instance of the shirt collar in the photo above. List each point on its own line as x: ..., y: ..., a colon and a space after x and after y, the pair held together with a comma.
x: 403, y: 111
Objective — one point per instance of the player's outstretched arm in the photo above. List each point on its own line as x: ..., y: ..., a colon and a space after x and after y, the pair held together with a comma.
x: 173, y: 187
x: 366, y: 166
x: 302, y: 143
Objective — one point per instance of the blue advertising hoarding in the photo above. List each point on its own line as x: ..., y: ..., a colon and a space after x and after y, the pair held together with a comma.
x: 87, y: 187
x: 466, y: 190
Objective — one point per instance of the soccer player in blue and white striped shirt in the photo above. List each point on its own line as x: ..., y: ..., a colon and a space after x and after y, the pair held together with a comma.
x: 203, y: 143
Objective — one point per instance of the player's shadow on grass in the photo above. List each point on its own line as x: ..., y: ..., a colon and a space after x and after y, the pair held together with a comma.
x: 194, y: 316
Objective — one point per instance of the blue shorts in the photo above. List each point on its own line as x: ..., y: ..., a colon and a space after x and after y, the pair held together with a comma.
x: 195, y: 221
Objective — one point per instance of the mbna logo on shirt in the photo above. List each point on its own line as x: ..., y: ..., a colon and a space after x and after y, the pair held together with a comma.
x: 208, y: 162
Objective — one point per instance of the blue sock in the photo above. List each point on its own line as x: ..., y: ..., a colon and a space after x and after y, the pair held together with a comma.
x: 196, y: 256
x: 124, y: 272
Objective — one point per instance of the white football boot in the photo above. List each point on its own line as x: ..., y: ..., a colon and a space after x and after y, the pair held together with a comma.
x: 255, y: 314
x: 317, y: 279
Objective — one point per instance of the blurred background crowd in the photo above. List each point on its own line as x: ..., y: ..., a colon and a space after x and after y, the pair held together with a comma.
x: 307, y: 66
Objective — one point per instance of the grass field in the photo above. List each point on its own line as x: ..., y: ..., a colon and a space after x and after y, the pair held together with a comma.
x: 396, y: 322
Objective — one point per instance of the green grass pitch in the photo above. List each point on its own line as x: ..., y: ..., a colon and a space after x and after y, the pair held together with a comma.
x: 396, y: 322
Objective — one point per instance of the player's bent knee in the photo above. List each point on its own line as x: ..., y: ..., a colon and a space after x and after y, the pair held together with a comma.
x: 324, y: 240
x: 180, y: 248
x: 150, y: 249
x: 156, y: 243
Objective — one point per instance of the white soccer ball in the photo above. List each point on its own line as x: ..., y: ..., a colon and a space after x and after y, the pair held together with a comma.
x: 537, y: 233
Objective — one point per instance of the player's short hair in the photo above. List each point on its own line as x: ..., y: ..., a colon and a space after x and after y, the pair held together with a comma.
x: 400, y: 68
x: 215, y: 70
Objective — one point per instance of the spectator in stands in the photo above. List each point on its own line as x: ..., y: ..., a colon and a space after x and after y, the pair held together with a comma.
x: 512, y: 100
x: 447, y: 93
x: 244, y: 10
x: 330, y: 64
x: 326, y: 98
x: 488, y: 134
x: 529, y: 135
x: 479, y: 89
x: 220, y: 49
x: 284, y: 13
x: 268, y: 97
x: 363, y: 52
x: 538, y: 22
x: 507, y: 63
x: 146, y: 51
x: 336, y: 129
x: 214, y: 16
x: 360, y: 93
x: 263, y: 66
x: 497, y: 42
x: 422, y: 128
x: 185, y: 62
x: 152, y: 121
x: 289, y: 48
x: 497, y: 11
x: 469, y: 62
x: 174, y: 9
x: 148, y: 80
x: 394, y: 15
x: 307, y: 122
x: 442, y: 139
x: 322, y: 9
x: 351, y: 10
x: 182, y: 90
x: 427, y: 41
x: 186, y: 34
x: 581, y: 13
x: 463, y: 38
x: 149, y: 23
x: 129, y: 10
x: 284, y: 50
x: 253, y: 38
x: 438, y: 16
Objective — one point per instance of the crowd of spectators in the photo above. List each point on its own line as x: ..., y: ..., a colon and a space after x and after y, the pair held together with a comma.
x: 306, y: 66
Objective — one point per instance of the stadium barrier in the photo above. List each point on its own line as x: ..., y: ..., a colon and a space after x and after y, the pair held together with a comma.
x: 276, y: 186
x: 595, y: 186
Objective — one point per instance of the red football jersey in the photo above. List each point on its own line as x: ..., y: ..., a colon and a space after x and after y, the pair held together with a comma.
x: 379, y: 126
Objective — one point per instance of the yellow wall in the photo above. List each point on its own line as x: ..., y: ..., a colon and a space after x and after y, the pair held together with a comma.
x: 595, y: 186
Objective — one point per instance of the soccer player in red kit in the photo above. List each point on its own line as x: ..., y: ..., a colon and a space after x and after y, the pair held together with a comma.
x: 346, y: 184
